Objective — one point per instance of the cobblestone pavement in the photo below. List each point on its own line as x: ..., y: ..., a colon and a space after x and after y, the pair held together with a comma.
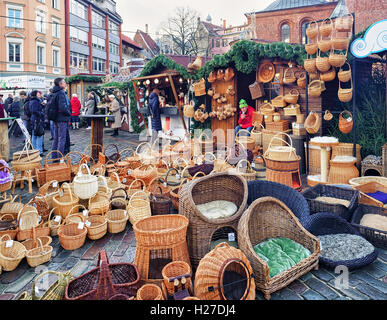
x: 369, y: 283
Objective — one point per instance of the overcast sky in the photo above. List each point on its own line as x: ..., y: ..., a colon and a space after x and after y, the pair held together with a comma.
x: 136, y: 13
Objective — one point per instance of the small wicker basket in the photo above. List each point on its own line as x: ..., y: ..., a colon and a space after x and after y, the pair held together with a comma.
x: 116, y: 220
x: 39, y: 255
x: 71, y: 237
x: 150, y: 291
x: 11, y: 253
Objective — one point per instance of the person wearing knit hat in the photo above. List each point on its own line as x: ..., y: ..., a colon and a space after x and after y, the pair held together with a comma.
x: 245, y: 117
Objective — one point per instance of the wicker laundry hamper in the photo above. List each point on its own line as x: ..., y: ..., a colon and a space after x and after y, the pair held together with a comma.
x: 224, y: 274
x: 217, y: 186
x: 160, y: 240
x: 266, y: 218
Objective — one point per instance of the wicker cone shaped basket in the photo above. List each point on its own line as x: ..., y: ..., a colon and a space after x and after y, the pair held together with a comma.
x: 85, y: 185
x: 116, y: 220
x: 213, y: 269
x: 71, y: 237
x: 313, y: 123
x: 39, y: 255
x: 266, y: 218
x: 150, y: 291
x: 11, y: 255
x: 138, y: 207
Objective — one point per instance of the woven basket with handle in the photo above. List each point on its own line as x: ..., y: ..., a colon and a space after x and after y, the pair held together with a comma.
x: 310, y: 64
x: 65, y: 200
x: 85, y: 185
x: 337, y: 59
x: 312, y: 30
x: 322, y: 63
x: 39, y: 255
x: 345, y: 124
x: 292, y: 96
x: 313, y: 123
x: 116, y: 220
x: 345, y: 95
x: 71, y: 237
x: 150, y: 291
x: 56, y: 291
x: 11, y: 253
x: 345, y: 75
x: 247, y: 141
x: 329, y: 75
x: 326, y: 27
x: 138, y: 207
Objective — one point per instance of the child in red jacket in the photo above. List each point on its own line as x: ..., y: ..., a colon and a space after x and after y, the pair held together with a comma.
x: 245, y: 117
x: 76, y: 111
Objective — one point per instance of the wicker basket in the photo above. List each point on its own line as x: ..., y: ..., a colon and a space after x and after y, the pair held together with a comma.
x: 363, y: 180
x: 346, y: 149
x: 213, y: 276
x: 345, y: 95
x: 312, y: 30
x: 175, y: 269
x: 85, y: 185
x: 313, y: 123
x: 332, y: 192
x: 71, y: 237
x: 64, y: 201
x: 175, y: 194
x: 301, y: 79
x: 39, y: 255
x: 99, y: 204
x: 159, y: 237
x: 217, y: 186
x: 116, y: 220
x: 345, y: 75
x: 322, y: 63
x: 371, y: 187
x: 289, y: 76
x: 292, y: 96
x: 54, y: 224
x: 247, y: 141
x: 138, y: 207
x: 11, y: 257
x: 278, y: 102
x: 146, y: 175
x: 267, y: 136
x: 266, y: 218
x: 28, y: 218
x: 200, y: 88
x: 160, y: 204
x: 119, y: 199
x: 310, y: 64
x: 337, y: 59
x: 324, y: 45
x: 97, y: 228
x: 256, y: 134
x: 326, y: 27
x: 345, y: 125
x: 60, y: 171
x: 150, y: 291
x: 344, y: 23
x: 311, y: 48
x: 248, y: 173
x: 12, y: 207
x: 315, y: 88
x: 282, y: 152
x: 267, y: 108
x: 12, y: 226
x: 328, y: 76
x: 292, y: 110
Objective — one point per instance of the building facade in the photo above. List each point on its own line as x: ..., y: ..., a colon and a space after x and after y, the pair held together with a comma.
x: 367, y: 12
x: 32, y: 50
x: 151, y: 48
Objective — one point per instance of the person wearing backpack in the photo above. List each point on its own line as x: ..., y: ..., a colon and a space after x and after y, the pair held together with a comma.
x: 37, y: 120
x: 59, y: 111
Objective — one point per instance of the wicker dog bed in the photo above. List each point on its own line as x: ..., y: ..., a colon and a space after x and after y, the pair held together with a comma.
x: 218, y: 186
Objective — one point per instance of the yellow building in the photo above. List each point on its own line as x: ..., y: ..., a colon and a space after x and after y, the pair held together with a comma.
x: 32, y: 50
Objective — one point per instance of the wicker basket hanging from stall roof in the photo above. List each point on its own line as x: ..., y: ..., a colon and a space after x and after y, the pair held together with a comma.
x: 200, y: 88
x: 310, y: 64
x: 278, y: 102
x: 345, y: 75
x: 289, y: 76
x: 312, y: 30
x: 337, y: 59
x: 301, y: 79
x: 326, y: 27
x: 292, y: 96
x: 329, y: 75
x: 322, y: 63
x: 345, y: 124
x: 99, y: 204
x: 340, y: 43
x: 344, y: 23
x: 315, y: 88
x: 214, y: 281
x: 313, y: 123
x: 311, y: 48
x: 324, y: 45
x: 345, y: 95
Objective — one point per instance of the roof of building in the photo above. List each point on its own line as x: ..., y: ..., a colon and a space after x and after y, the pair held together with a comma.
x: 340, y: 10
x: 292, y: 4
x: 131, y: 43
x: 185, y: 60
x: 150, y: 43
x: 212, y: 28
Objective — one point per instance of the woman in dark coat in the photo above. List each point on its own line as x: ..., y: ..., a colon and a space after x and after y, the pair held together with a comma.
x: 37, y: 120
x: 154, y: 106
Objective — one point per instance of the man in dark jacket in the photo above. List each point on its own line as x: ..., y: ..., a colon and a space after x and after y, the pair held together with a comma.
x: 61, y: 102
x: 154, y: 106
x: 14, y: 111
x: 37, y: 121
x: 8, y: 102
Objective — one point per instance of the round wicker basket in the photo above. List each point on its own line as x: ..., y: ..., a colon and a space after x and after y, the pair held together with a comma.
x: 98, y: 227
x: 11, y: 257
x: 174, y: 269
x: 71, y: 237
x: 39, y: 255
x: 116, y: 220
x: 150, y: 292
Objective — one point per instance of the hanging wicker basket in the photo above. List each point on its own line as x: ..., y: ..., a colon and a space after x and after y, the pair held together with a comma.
x: 313, y: 123
x: 324, y: 45
x: 329, y: 75
x: 312, y: 30
x: 292, y: 96
x: 310, y: 64
x: 340, y: 43
x: 345, y: 75
x: 346, y: 125
x: 289, y: 76
x: 200, y: 88
x: 314, y: 88
x: 311, y: 48
x: 337, y: 59
x: 345, y: 95
x: 322, y: 63
x: 326, y: 27
x: 344, y: 23
x: 328, y: 116
x: 301, y: 81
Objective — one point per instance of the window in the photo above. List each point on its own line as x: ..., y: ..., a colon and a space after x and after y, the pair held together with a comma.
x: 39, y: 55
x: 114, y: 67
x: 99, y: 65
x: 113, y: 28
x: 217, y: 43
x: 98, y: 43
x: 55, y: 4
x: 78, y: 35
x: 115, y: 49
x: 14, y: 18
x: 55, y: 29
x: 98, y: 20
x: 304, y: 38
x: 78, y: 9
x: 14, y: 50
x: 55, y: 58
x: 225, y: 44
x: 40, y: 24
x: 213, y: 43
x: 285, y: 33
x: 79, y: 61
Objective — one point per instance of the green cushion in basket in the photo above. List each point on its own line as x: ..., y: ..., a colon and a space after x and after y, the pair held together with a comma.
x: 281, y: 254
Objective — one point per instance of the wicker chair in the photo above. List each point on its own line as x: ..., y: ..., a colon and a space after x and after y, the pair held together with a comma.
x: 293, y: 199
x: 218, y: 186
x: 325, y: 223
x: 268, y: 218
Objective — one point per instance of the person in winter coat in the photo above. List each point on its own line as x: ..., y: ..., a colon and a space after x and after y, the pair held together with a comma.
x: 154, y: 106
x: 8, y: 102
x: 61, y: 102
x: 14, y: 111
x: 245, y: 117
x: 115, y: 110
x: 90, y: 106
x: 37, y: 120
x: 76, y: 111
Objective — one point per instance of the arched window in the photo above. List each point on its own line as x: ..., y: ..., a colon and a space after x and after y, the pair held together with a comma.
x: 304, y: 38
x: 285, y: 33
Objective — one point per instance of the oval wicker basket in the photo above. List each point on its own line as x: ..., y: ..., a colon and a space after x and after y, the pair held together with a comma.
x: 85, y: 185
x: 301, y: 81
x: 247, y: 141
x: 267, y: 109
x: 283, y: 152
x: 328, y: 76
x: 345, y: 75
x: 310, y: 64
x: 345, y: 95
x: 328, y: 116
x: 337, y: 59
x: 150, y: 291
x: 116, y: 220
x: 213, y: 280
x: 70, y: 237
x: 311, y: 48
x: 340, y: 43
x: 33, y: 243
x: 98, y: 227
x: 248, y: 173
x: 28, y: 218
x: 324, y: 45
x: 292, y: 96
x: 65, y: 202
x: 355, y: 182
x: 344, y: 23
x: 313, y: 123
x: 326, y: 27
x: 12, y: 256
x: 39, y: 255
x: 322, y: 63
x: 289, y: 76
x: 99, y: 204
x: 315, y: 88
x: 174, y: 269
x: 345, y: 125
x: 312, y: 30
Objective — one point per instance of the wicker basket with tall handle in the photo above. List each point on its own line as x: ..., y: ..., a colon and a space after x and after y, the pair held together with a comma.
x: 247, y: 141
x: 314, y: 88
x: 39, y: 255
x: 71, y: 237
x: 310, y: 64
x: 283, y: 152
x: 55, y: 223
x: 289, y: 76
x: 11, y: 254
x: 116, y: 220
x: 345, y: 95
x: 65, y: 201
x: 345, y: 75
x: 85, y: 185
x: 312, y: 30
x: 337, y: 59
x: 99, y: 204
x: 97, y: 228
x: 324, y: 45
x: 326, y: 27
x: 138, y: 207
x: 322, y: 63
x: 248, y: 173
x: 292, y: 96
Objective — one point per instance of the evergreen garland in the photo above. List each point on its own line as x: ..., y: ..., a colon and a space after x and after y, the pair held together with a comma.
x: 87, y: 78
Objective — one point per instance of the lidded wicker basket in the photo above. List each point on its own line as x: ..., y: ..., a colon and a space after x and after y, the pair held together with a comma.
x: 216, y: 272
